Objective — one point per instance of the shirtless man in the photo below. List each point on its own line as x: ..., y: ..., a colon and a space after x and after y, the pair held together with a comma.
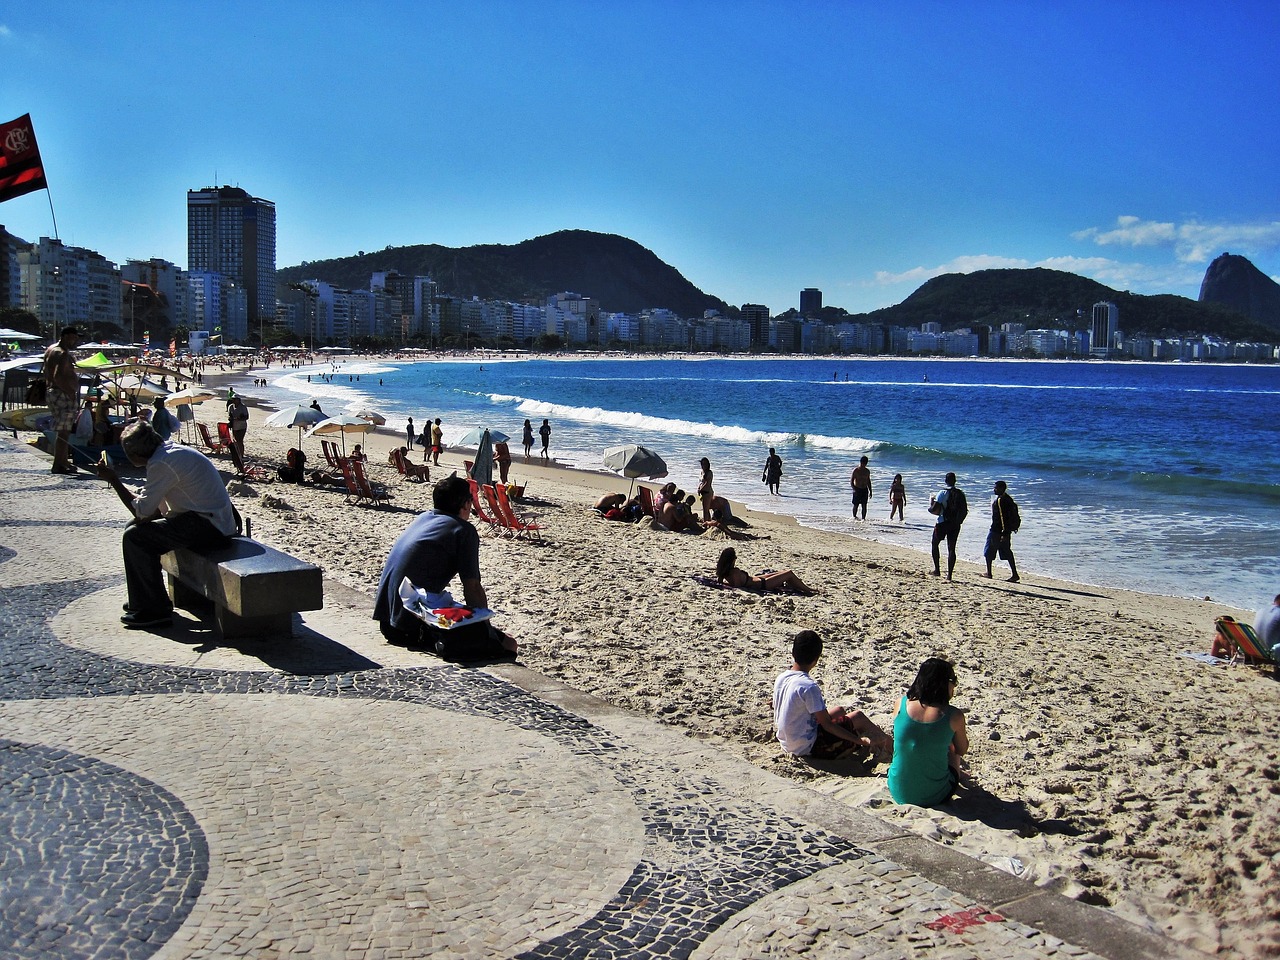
x: 59, y: 372
x: 860, y: 480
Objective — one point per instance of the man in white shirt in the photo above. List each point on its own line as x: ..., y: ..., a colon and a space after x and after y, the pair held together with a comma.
x: 802, y: 722
x: 1267, y: 627
x: 183, y: 504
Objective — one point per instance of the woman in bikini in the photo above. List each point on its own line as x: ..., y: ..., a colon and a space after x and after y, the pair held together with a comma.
x: 728, y: 572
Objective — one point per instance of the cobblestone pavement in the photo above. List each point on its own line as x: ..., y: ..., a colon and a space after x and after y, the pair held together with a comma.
x: 168, y: 795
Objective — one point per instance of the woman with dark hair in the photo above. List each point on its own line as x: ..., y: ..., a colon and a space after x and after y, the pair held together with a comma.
x: 705, y: 493
x: 728, y: 572
x: 929, y: 738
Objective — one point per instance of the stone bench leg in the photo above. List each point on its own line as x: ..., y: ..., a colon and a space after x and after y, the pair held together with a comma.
x: 186, y: 598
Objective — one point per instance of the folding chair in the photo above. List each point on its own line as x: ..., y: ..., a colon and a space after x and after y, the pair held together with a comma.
x: 520, y: 525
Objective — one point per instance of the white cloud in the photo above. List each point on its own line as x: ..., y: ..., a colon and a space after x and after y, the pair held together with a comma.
x: 1192, y: 241
x: 964, y: 264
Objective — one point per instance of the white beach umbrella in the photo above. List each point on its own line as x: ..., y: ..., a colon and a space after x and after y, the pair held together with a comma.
x: 372, y: 416
x: 473, y: 437
x: 299, y: 416
x: 341, y: 425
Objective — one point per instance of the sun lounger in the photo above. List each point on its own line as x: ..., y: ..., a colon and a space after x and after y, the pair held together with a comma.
x: 331, y: 453
x: 212, y: 445
x: 521, y: 526
x: 224, y: 435
x: 410, y: 471
x: 1240, y: 642
x: 367, y: 491
x: 478, y: 510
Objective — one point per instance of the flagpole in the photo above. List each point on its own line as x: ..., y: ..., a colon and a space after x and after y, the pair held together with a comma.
x: 48, y: 193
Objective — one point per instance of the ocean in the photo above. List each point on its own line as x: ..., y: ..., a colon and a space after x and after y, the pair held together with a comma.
x: 1163, y: 478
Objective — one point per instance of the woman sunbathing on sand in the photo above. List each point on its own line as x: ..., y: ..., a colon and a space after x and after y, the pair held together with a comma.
x: 728, y: 572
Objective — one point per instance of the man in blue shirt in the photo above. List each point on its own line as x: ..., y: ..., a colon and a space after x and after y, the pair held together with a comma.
x: 1267, y: 627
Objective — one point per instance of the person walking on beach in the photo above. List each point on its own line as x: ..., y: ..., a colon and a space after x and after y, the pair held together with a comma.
x: 62, y: 395
x: 772, y: 472
x: 860, y: 480
x: 898, y: 498
x: 528, y: 439
x: 409, y: 434
x: 1005, y: 521
x: 950, y: 507
x: 437, y: 442
x: 803, y: 724
x: 544, y: 432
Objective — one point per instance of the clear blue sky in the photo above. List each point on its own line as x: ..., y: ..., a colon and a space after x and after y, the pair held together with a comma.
x: 857, y: 147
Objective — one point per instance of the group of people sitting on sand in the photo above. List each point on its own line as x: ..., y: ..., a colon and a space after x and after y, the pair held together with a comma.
x: 929, y: 734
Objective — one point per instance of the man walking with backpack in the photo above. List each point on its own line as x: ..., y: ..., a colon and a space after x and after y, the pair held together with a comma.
x: 1005, y: 522
x: 950, y: 507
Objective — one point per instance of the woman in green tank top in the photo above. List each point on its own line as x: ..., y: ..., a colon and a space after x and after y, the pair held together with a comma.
x: 929, y: 738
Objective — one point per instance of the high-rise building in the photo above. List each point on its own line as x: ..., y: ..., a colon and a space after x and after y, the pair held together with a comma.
x: 810, y: 302
x: 1102, y: 329
x: 233, y: 234
x: 757, y: 316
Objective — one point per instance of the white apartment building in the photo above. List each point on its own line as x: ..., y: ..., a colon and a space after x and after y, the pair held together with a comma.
x: 65, y: 285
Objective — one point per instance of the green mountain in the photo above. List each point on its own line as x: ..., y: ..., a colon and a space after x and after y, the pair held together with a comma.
x: 623, y: 276
x: 1050, y: 298
x: 617, y: 273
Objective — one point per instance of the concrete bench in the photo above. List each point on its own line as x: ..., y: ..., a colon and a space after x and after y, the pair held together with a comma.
x: 254, y: 588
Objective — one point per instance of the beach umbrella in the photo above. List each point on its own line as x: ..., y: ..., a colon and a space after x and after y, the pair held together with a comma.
x: 340, y: 425
x: 371, y: 416
x: 473, y: 437
x: 94, y: 362
x: 482, y: 469
x: 632, y: 461
x: 299, y: 416
x: 8, y: 336
x: 138, y: 388
x: 188, y: 395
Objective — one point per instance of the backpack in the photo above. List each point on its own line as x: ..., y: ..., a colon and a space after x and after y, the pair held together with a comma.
x: 955, y: 509
x: 1009, y: 510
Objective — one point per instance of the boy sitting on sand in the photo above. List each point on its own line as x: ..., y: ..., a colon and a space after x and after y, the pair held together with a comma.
x: 804, y: 725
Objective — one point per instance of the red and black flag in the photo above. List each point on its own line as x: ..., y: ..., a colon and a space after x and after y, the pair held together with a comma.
x: 20, y: 168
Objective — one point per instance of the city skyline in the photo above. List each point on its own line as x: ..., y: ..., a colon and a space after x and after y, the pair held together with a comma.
x: 758, y: 148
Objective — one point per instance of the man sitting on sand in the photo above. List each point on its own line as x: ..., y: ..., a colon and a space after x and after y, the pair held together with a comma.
x: 804, y: 725
x: 437, y: 546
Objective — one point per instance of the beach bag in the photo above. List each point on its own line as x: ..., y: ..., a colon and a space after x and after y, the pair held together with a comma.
x: 466, y: 644
x: 955, y: 510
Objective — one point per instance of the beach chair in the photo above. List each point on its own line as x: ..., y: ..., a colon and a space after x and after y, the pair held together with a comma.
x: 522, y: 526
x: 1239, y: 640
x: 368, y: 492
x: 224, y: 435
x: 409, y: 471
x: 213, y: 447
x: 646, y: 500
x: 478, y: 510
x: 349, y: 477
x: 245, y: 471
x: 330, y: 450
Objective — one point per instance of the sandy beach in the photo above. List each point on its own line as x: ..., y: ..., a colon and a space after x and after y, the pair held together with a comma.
x: 1110, y: 767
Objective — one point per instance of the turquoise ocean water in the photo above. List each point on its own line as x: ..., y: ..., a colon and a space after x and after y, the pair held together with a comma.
x: 1155, y: 477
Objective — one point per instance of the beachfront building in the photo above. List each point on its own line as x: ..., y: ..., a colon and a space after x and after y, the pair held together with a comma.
x: 810, y: 302
x: 574, y: 318
x: 169, y: 293
x: 1103, y: 325
x: 219, y: 306
x: 757, y: 316
x: 10, y: 275
x: 65, y: 285
x: 233, y: 234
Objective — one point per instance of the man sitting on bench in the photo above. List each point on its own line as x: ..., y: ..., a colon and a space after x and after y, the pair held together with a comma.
x: 435, y: 547
x: 183, y: 504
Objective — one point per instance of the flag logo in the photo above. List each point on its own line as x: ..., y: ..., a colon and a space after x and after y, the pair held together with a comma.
x: 21, y: 170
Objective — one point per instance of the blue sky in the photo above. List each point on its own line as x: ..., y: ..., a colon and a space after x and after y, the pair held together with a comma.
x: 857, y: 147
